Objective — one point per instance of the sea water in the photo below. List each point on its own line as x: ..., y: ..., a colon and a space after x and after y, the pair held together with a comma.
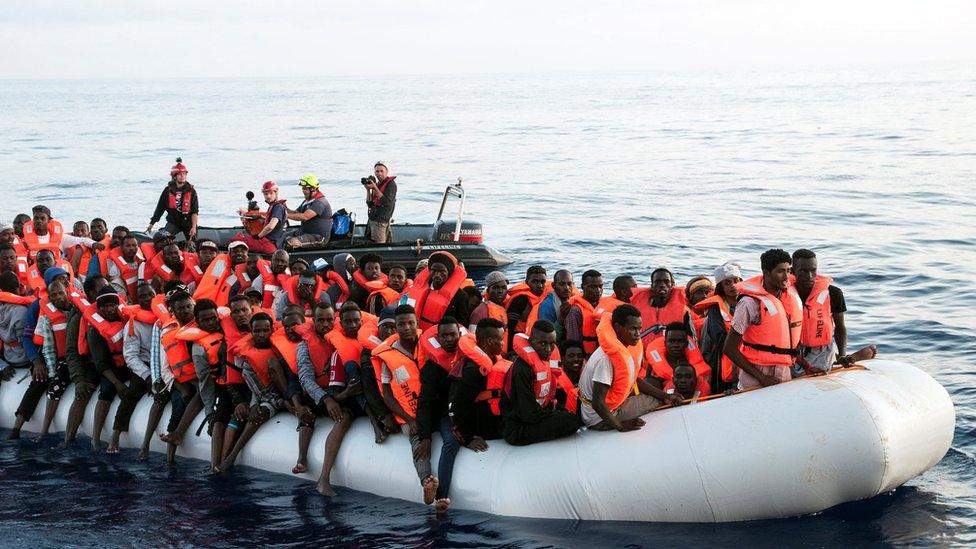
x: 875, y: 170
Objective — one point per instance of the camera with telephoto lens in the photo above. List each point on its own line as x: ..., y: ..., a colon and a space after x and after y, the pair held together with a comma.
x: 368, y: 180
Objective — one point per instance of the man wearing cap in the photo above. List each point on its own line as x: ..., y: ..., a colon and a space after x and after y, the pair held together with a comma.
x: 272, y: 235
x: 315, y: 215
x: 206, y: 252
x: 179, y: 201
x: 718, y: 310
x: 380, y: 203
x: 496, y: 290
x: 306, y: 297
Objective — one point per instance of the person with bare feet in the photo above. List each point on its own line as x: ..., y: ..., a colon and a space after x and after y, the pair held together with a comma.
x: 313, y: 355
x: 262, y: 366
x: 344, y: 399
x: 823, y: 339
x: 105, y: 332
x: 80, y: 367
x: 286, y: 340
x: 173, y: 369
x: 13, y: 311
x: 397, y: 359
x: 370, y: 377
x: 224, y: 394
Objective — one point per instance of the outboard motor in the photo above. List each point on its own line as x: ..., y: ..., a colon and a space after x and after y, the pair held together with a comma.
x: 471, y: 231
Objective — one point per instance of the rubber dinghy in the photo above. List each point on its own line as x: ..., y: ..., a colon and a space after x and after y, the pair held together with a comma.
x: 793, y: 449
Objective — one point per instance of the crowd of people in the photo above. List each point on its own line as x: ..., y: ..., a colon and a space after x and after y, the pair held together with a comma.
x: 237, y: 337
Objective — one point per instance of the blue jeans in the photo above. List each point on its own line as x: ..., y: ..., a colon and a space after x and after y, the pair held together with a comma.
x: 445, y: 464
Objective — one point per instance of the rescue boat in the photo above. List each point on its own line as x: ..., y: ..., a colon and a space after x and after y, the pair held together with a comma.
x: 409, y: 243
x: 792, y: 449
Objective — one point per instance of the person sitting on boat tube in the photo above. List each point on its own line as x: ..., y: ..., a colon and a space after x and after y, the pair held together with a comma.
x: 717, y: 309
x: 315, y: 215
x: 765, y: 333
x: 677, y: 346
x: 823, y: 320
x: 272, y: 234
x: 607, y: 395
x: 684, y: 382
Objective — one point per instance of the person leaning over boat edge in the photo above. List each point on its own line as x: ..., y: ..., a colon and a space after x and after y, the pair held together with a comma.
x: 315, y: 215
x: 381, y: 191
x: 180, y: 203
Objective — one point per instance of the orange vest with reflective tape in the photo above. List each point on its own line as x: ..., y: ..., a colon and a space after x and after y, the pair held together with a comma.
x: 214, y: 284
x: 291, y: 288
x: 543, y: 379
x: 404, y: 374
x: 177, y: 352
x: 772, y: 342
x: 258, y: 358
x: 818, y: 320
x: 591, y: 317
x: 673, y: 311
x: 59, y: 326
x: 286, y: 348
x: 319, y: 351
x: 33, y: 245
x: 113, y: 332
x: 429, y: 303
x: 270, y: 283
x: 656, y: 356
x: 494, y: 384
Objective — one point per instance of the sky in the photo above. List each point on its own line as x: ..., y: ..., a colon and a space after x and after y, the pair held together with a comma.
x: 240, y: 38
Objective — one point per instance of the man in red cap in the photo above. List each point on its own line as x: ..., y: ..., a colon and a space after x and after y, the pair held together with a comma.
x: 272, y: 236
x: 179, y: 201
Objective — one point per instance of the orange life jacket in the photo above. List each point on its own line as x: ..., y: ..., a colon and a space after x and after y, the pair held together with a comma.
x: 148, y: 250
x: 818, y: 320
x: 113, y: 332
x: 656, y: 357
x: 404, y: 374
x: 9, y: 297
x: 135, y: 312
x: 609, y: 304
x: 379, y: 287
x: 534, y: 300
x: 214, y: 284
x: 320, y: 351
x: 87, y: 255
x: 494, y: 384
x: 59, y: 326
x: 730, y: 372
x: 35, y: 280
x: 673, y: 311
x: 291, y: 288
x: 591, y: 317
x: 286, y: 348
x: 498, y: 313
x: 165, y: 273
x: 270, y: 282
x: 54, y: 230
x: 232, y: 335
x: 223, y: 372
x: 774, y: 341
x: 349, y: 348
x: 335, y: 280
x: 429, y: 303
x: 257, y: 358
x: 177, y: 351
x: 129, y: 274
x: 467, y: 347
x: 544, y: 386
x: 22, y: 262
x: 626, y: 362
x: 243, y: 279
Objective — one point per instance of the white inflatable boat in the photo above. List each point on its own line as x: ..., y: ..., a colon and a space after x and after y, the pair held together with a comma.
x: 792, y: 449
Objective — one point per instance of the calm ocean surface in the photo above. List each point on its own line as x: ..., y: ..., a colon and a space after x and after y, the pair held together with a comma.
x: 874, y: 170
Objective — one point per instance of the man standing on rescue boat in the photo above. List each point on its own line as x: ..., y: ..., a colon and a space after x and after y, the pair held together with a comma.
x: 179, y: 202
x: 767, y: 324
x: 380, y: 202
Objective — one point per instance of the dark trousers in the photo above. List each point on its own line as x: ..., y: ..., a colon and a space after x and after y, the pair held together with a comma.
x: 28, y: 404
x: 560, y: 424
x: 136, y: 388
x: 176, y: 414
x: 445, y: 464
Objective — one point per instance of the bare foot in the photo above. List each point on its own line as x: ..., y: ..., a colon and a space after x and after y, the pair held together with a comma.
x: 112, y: 449
x: 866, y: 353
x: 380, y: 436
x: 165, y: 437
x: 224, y: 466
x: 171, y: 455
x: 299, y: 468
x: 14, y: 434
x: 64, y: 445
x: 143, y: 454
x: 441, y: 505
x: 430, y: 489
x: 96, y: 445
x: 40, y: 438
x: 325, y: 488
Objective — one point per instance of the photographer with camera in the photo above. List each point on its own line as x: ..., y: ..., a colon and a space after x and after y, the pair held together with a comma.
x: 380, y: 201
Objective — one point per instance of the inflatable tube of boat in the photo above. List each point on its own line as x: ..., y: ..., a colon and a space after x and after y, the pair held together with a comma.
x: 792, y: 449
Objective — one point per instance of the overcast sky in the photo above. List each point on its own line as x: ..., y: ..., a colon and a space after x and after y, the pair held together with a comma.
x: 77, y: 39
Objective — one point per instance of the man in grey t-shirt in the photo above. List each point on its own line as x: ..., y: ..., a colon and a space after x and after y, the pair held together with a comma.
x: 315, y: 215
